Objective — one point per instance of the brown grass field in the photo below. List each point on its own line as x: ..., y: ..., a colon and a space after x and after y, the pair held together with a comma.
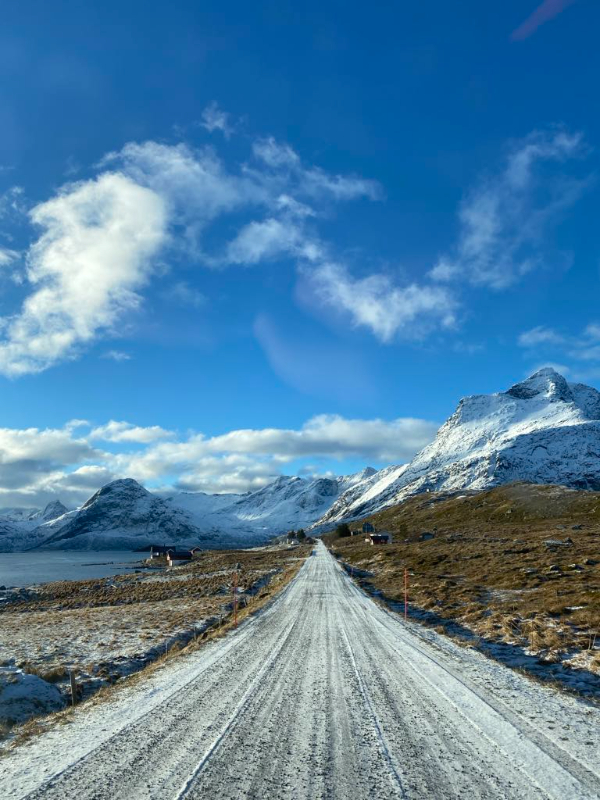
x: 518, y: 564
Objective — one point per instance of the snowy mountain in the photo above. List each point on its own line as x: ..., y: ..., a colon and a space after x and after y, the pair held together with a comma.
x: 120, y: 515
x: 34, y: 516
x: 124, y: 515
x: 288, y: 502
x: 542, y: 430
x: 22, y: 528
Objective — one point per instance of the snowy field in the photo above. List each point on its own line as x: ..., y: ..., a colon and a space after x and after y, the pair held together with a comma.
x: 108, y: 628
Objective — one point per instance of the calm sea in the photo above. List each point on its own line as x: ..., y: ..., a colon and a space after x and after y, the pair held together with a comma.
x: 23, y: 569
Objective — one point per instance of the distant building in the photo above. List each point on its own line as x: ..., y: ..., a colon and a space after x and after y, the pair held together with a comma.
x: 380, y: 538
x: 175, y: 557
x: 160, y: 549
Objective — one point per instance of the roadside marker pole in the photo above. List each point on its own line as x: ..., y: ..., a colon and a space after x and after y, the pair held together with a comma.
x: 405, y: 594
x: 235, y: 587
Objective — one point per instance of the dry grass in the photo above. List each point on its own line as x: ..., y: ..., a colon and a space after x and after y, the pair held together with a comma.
x: 492, y: 566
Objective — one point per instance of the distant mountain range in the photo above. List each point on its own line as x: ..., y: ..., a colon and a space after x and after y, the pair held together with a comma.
x: 124, y: 515
x: 543, y: 430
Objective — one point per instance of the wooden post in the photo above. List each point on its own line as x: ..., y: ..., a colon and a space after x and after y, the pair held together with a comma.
x: 73, y: 688
x: 405, y: 594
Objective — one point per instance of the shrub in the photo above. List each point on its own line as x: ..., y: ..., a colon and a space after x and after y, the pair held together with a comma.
x: 343, y: 530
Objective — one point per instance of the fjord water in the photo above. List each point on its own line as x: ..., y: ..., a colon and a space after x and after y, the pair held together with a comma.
x: 42, y: 566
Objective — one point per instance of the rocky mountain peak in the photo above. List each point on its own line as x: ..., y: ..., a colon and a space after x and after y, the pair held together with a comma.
x: 545, y: 382
x: 119, y: 488
x: 54, y: 510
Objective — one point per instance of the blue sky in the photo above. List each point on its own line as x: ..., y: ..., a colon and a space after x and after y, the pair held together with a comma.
x: 240, y: 240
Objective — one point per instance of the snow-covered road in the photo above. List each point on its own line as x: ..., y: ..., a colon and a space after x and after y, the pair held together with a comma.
x: 323, y: 695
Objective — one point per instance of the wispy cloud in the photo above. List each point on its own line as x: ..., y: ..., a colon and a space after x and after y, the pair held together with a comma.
x: 375, y: 302
x: 184, y: 294
x: 215, y: 119
x: 117, y: 355
x: 543, y: 13
x: 540, y: 336
x: 582, y: 348
x: 504, y: 219
x: 102, y: 239
x: 7, y: 256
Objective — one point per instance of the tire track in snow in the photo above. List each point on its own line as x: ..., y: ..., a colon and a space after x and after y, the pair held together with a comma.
x: 529, y: 734
x: 235, y: 716
x: 394, y: 772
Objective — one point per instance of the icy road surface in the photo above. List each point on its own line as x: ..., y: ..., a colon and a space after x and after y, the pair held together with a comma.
x: 323, y: 695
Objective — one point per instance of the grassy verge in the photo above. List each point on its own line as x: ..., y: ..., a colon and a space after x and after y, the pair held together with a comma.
x: 517, y: 565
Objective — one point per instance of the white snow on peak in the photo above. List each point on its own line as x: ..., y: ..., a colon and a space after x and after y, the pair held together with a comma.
x: 543, y: 430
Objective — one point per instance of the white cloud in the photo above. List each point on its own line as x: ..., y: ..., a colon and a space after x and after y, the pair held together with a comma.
x: 333, y: 436
x: 244, y: 459
x: 38, y: 465
x: 103, y: 239
x: 274, y: 154
x: 311, y: 182
x: 376, y: 303
x: 95, y: 252
x: 193, y: 183
x: 215, y: 119
x: 7, y: 256
x: 126, y: 432
x: 504, y: 218
x: 12, y: 202
x: 185, y: 295
x: 583, y: 348
x: 258, y: 241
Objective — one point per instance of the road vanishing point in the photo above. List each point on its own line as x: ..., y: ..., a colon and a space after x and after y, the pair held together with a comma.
x: 323, y: 694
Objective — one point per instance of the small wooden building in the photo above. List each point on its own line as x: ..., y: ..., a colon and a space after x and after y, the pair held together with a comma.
x: 380, y: 538
x: 175, y: 557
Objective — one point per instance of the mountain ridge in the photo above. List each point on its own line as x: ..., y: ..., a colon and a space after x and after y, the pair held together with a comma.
x: 540, y: 430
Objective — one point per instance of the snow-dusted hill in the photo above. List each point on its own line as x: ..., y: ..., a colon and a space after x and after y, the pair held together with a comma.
x: 542, y: 430
x: 121, y: 515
